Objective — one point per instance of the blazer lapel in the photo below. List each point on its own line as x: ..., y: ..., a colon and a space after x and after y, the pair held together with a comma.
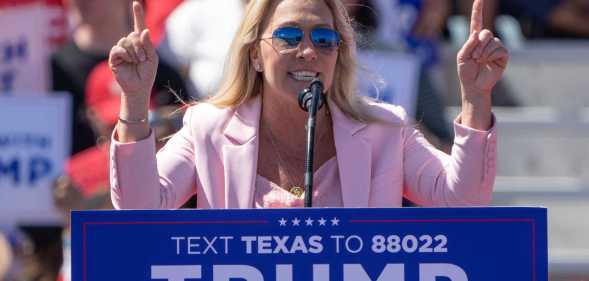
x: 240, y: 155
x: 353, y: 158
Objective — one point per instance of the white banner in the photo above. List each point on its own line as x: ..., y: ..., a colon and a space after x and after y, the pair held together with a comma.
x: 391, y: 77
x: 34, y: 144
x: 25, y: 48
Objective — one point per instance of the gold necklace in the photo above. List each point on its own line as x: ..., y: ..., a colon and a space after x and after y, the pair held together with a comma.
x: 294, y: 189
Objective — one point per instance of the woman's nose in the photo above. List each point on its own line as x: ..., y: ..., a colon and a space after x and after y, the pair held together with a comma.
x: 306, y: 50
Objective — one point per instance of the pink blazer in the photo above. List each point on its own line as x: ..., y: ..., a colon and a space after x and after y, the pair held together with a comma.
x: 215, y: 155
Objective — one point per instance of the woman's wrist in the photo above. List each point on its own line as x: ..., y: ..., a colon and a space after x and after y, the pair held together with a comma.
x: 134, y: 107
x: 132, y: 121
x: 133, y: 117
x: 476, y: 110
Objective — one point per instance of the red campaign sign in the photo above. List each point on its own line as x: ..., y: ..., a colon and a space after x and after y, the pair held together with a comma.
x: 15, y: 3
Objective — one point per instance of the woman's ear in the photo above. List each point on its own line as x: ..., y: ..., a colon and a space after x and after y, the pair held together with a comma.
x: 255, y: 59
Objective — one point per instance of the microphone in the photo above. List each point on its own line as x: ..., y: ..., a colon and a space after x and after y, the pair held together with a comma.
x: 306, y: 95
x: 311, y: 100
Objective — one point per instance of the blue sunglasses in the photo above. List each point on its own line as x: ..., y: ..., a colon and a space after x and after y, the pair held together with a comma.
x: 289, y: 38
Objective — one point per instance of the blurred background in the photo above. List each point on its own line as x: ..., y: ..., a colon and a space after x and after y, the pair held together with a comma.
x: 59, y: 104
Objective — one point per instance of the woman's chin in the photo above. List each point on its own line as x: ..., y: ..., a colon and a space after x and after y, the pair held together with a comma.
x: 296, y: 86
x: 291, y: 88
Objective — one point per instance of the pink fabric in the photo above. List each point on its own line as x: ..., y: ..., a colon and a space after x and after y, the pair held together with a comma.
x: 215, y: 155
x: 326, y: 190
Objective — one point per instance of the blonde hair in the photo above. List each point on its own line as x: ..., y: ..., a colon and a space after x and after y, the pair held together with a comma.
x: 242, y: 82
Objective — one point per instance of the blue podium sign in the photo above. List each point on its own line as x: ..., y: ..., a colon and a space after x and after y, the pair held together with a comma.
x: 455, y: 244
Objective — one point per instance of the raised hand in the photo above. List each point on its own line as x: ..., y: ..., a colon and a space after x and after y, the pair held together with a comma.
x: 133, y: 59
x: 483, y: 58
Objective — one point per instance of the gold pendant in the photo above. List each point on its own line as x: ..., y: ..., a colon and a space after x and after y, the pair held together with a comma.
x: 297, y: 191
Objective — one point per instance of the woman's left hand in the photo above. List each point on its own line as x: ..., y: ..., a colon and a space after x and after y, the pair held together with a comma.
x: 483, y: 58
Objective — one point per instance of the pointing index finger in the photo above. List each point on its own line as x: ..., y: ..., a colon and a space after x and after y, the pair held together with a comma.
x: 138, y: 17
x: 476, y: 18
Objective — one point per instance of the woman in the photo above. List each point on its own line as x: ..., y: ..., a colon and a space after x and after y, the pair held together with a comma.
x: 244, y: 147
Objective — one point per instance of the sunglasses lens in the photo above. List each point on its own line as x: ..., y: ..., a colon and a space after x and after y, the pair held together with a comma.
x: 287, y: 37
x: 325, y: 38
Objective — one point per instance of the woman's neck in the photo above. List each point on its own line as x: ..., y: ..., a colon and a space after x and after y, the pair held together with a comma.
x: 284, y: 121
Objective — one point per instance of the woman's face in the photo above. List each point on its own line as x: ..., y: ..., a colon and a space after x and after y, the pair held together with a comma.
x: 286, y: 73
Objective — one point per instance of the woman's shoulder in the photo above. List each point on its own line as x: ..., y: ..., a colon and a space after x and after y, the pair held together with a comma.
x: 387, y: 126
x: 205, y: 115
x: 387, y: 113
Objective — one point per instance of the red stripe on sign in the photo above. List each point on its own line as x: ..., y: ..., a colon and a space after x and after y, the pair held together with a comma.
x: 54, y: 2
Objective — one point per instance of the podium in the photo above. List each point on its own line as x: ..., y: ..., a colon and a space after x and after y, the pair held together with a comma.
x: 317, y: 244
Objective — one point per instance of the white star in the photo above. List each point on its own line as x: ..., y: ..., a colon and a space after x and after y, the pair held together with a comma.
x: 322, y: 221
x: 282, y: 222
x: 309, y: 221
x: 334, y: 221
x: 296, y: 222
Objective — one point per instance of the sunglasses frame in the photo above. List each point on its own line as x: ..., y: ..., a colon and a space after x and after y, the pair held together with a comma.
x: 303, y: 33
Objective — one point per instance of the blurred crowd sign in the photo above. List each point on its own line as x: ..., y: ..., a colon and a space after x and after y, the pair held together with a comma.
x: 392, y: 77
x: 29, y: 30
x: 321, y: 244
x: 34, y: 144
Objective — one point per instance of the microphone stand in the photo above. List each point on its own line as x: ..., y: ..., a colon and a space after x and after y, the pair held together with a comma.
x: 311, y: 100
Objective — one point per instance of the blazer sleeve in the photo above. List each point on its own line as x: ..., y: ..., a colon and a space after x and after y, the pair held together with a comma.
x: 463, y: 178
x: 141, y: 180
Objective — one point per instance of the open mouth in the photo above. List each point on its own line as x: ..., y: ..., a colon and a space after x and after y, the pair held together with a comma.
x: 303, y: 75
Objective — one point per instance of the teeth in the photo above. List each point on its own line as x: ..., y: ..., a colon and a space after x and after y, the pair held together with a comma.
x: 304, y: 75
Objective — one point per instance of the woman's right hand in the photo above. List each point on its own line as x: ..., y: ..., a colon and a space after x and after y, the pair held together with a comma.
x: 133, y: 59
